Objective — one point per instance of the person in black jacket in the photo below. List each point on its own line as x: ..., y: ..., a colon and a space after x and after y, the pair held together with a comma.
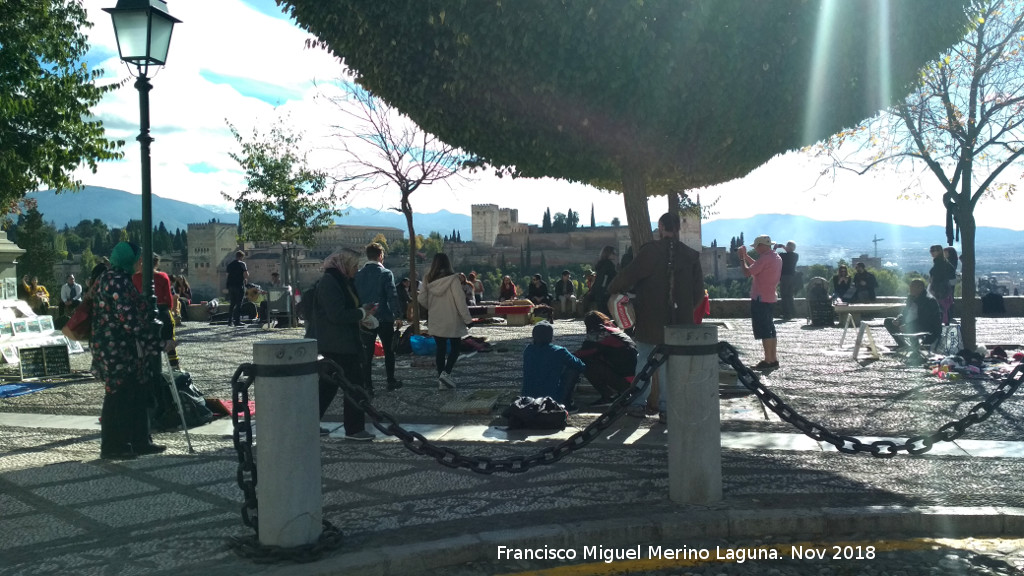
x: 610, y: 356
x: 942, y: 276
x: 920, y: 314
x: 334, y: 320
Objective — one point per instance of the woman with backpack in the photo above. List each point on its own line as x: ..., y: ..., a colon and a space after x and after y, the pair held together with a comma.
x: 447, y: 316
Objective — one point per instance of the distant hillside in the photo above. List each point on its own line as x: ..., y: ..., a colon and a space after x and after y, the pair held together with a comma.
x: 117, y: 207
x: 855, y: 234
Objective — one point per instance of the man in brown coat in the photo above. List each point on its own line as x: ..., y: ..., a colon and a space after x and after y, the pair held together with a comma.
x: 656, y: 307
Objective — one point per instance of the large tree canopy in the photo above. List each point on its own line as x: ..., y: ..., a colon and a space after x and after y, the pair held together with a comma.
x: 629, y: 94
x: 46, y: 93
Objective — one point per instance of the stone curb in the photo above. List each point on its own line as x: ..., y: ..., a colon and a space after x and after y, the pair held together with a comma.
x: 673, y: 529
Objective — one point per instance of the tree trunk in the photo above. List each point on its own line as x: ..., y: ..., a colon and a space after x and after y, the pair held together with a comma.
x: 634, y: 194
x: 968, y: 312
x: 413, y: 280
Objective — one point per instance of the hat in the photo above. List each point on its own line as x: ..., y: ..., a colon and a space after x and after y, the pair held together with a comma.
x: 762, y: 239
x: 543, y: 333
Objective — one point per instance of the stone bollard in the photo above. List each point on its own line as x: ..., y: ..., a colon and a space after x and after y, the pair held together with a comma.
x: 288, y: 450
x: 694, y: 429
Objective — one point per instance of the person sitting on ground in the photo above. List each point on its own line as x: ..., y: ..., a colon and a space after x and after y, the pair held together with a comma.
x: 550, y: 370
x: 565, y: 292
x: 842, y: 284
x: 38, y: 297
x: 508, y: 289
x: 537, y: 292
x: 864, y: 284
x: 610, y: 356
x: 920, y: 314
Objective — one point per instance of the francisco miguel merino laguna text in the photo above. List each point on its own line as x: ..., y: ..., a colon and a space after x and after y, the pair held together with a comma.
x: 738, y: 555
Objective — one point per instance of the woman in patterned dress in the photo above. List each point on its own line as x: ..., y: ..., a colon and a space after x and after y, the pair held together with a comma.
x: 125, y: 347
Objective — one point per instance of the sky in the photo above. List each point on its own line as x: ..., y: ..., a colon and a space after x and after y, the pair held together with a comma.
x: 245, y: 62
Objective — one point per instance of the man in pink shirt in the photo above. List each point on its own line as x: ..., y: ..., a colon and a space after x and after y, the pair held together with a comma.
x: 765, y: 272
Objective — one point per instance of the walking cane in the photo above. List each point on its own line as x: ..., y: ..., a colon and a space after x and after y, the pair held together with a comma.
x: 177, y: 400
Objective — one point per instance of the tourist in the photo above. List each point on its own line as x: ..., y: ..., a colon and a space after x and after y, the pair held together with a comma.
x: 125, y: 345
x: 447, y: 316
x: 610, y: 357
x: 668, y: 281
x: 942, y: 275
x: 842, y: 284
x: 165, y: 303
x: 375, y: 284
x: 467, y: 289
x: 333, y: 317
x: 70, y: 296
x: 605, y: 271
x: 550, y: 370
x: 238, y: 277
x: 404, y: 299
x: 864, y: 284
x: 478, y: 288
x: 765, y: 271
x: 565, y: 292
x: 788, y: 280
x: 537, y: 292
x: 508, y: 290
x: 920, y: 314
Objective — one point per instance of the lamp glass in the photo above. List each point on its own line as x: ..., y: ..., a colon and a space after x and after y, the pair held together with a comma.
x: 159, y: 37
x: 132, y: 31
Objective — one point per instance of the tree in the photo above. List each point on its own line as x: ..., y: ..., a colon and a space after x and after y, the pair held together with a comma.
x: 545, y: 224
x: 572, y: 220
x: 88, y: 263
x: 642, y: 97
x: 963, y: 125
x: 284, y: 200
x: 381, y: 148
x: 560, y: 223
x: 46, y: 95
x: 593, y: 222
x: 36, y: 238
x: 616, y: 222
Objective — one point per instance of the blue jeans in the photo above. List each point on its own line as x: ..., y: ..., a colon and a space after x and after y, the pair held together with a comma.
x: 643, y: 350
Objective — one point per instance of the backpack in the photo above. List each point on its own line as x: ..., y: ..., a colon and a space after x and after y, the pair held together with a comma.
x: 193, y: 404
x: 536, y: 414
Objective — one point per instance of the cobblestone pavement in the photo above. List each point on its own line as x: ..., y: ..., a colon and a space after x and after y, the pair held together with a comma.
x: 64, y: 511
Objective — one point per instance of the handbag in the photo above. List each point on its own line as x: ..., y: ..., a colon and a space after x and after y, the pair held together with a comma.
x: 79, y: 326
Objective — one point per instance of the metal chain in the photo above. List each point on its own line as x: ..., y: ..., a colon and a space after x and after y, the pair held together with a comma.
x: 250, y: 547
x: 451, y: 458
x: 879, y: 448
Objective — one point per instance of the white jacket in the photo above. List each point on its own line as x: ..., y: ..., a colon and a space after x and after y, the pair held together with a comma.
x: 447, y: 312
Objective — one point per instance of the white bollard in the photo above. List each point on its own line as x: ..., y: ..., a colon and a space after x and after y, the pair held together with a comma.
x: 694, y: 428
x: 288, y: 449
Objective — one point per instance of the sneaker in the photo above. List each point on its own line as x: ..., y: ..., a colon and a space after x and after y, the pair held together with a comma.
x: 361, y: 436
x: 149, y: 448
x: 637, y: 411
x: 394, y: 384
x: 765, y: 365
x: 662, y: 417
x: 324, y: 431
x: 445, y: 381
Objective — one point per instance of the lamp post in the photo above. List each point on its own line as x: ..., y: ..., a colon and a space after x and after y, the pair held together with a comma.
x: 143, y: 29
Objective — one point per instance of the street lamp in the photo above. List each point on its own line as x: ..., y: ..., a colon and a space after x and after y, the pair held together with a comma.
x: 143, y: 29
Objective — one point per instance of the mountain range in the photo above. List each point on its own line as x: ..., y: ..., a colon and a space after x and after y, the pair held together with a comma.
x: 117, y: 207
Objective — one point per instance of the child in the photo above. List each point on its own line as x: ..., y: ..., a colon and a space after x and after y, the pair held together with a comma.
x: 550, y: 370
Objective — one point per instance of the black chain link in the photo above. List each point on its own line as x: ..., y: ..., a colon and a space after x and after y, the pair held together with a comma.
x: 250, y: 547
x: 879, y: 448
x: 451, y: 458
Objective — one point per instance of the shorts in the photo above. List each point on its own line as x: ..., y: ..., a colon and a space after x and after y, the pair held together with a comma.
x: 762, y: 318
